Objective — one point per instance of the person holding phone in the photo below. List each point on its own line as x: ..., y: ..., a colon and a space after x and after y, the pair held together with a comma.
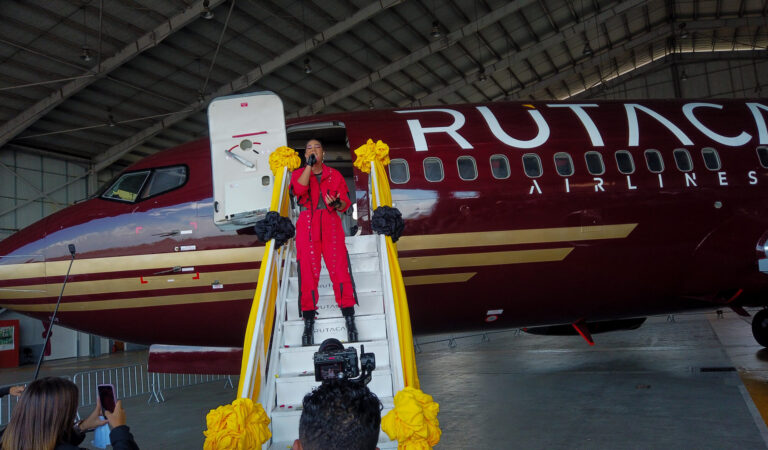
x: 53, y: 401
x: 322, y: 192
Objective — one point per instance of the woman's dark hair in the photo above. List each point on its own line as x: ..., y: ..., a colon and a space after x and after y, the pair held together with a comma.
x: 43, y: 417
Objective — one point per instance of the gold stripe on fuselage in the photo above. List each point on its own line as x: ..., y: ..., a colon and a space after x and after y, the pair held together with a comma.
x: 133, y: 262
x: 139, y: 302
x: 439, y: 279
x: 169, y: 281
x: 484, y: 259
x: 512, y: 237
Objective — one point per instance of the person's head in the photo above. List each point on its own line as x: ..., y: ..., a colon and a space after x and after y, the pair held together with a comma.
x: 44, y: 415
x: 339, y: 414
x: 314, y: 146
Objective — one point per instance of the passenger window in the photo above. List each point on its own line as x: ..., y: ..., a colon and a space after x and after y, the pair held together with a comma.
x: 467, y: 168
x: 711, y: 158
x: 564, y: 164
x: 654, y: 161
x: 127, y: 187
x: 398, y: 171
x: 499, y: 166
x: 683, y: 160
x: 532, y: 165
x: 433, y: 169
x: 762, y: 155
x: 164, y: 180
x: 625, y: 162
x: 595, y: 164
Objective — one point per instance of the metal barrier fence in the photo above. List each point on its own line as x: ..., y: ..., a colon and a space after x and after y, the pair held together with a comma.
x: 132, y: 381
x: 129, y: 381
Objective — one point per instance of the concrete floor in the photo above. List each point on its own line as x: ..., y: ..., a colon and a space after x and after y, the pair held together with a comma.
x: 698, y: 382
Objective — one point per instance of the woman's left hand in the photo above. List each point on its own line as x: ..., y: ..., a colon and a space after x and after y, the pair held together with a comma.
x: 330, y: 199
x: 93, y: 421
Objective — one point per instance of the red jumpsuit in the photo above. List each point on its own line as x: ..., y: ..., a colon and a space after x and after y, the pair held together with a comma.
x: 320, y: 231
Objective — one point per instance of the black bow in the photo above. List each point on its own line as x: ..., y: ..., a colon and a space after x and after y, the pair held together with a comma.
x: 276, y: 227
x: 389, y: 221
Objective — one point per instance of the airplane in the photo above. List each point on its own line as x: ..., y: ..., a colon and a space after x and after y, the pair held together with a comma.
x: 555, y: 216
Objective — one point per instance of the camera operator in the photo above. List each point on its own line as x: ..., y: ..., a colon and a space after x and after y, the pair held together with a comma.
x: 339, y: 415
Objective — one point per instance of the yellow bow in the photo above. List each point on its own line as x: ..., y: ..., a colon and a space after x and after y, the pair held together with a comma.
x: 283, y: 157
x: 240, y: 425
x: 371, y: 151
x: 413, y: 421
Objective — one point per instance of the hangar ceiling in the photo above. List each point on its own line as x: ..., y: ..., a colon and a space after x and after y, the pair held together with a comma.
x: 107, y: 82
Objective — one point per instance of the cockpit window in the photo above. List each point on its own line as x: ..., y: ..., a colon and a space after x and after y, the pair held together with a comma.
x: 134, y: 186
x: 127, y: 187
x: 164, y: 180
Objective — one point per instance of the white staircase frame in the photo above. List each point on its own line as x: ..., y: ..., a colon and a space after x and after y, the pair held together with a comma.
x: 393, y: 336
x: 282, y: 259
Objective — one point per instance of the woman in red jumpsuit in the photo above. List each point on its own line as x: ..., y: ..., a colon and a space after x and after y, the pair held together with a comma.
x: 322, y: 193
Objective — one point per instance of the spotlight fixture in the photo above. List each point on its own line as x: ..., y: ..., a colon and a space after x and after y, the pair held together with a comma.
x: 587, y: 50
x: 370, y: 104
x: 86, y: 54
x: 683, y: 31
x: 683, y: 76
x: 207, y: 14
x: 307, y: 67
x: 435, y: 30
x: 481, y: 76
x: 111, y: 121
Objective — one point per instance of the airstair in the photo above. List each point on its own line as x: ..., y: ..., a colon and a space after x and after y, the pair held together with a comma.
x: 277, y: 371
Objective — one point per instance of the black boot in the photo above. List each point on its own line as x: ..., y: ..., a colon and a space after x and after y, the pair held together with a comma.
x: 308, y: 338
x: 350, y: 319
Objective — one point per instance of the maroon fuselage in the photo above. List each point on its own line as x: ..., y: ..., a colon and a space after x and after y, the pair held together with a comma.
x: 562, y: 247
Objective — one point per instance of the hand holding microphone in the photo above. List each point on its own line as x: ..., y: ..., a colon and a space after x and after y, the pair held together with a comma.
x: 311, y: 160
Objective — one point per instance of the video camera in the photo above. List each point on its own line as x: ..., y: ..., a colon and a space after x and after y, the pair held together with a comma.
x: 334, y: 362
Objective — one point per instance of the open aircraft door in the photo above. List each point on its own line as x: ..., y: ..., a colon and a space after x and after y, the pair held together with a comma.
x: 245, y: 129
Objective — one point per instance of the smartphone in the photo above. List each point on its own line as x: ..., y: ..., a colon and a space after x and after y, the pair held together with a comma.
x: 107, y: 397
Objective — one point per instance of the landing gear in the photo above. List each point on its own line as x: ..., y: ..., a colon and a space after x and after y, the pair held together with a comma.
x: 760, y: 327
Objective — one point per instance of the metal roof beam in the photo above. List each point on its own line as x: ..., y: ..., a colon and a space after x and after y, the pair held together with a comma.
x: 625, y: 48
x: 568, y: 33
x: 13, y: 127
x: 432, y: 48
x: 115, y: 152
x: 506, y: 59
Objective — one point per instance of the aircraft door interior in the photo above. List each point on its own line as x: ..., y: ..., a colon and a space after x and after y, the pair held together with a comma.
x: 333, y: 136
x: 244, y: 130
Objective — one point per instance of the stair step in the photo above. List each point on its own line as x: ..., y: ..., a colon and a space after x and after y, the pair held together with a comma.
x: 291, y: 390
x: 295, y: 361
x: 370, y: 328
x: 370, y: 303
x: 360, y: 262
x: 364, y: 282
x: 361, y: 244
x: 285, y: 425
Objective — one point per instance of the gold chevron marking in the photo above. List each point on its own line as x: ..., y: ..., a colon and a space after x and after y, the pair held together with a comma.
x: 484, y: 259
x: 168, y: 281
x: 510, y: 237
x: 133, y: 262
x: 439, y: 279
x: 141, y: 302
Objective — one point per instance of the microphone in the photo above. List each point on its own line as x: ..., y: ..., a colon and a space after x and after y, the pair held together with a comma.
x: 71, y: 249
x: 311, y: 160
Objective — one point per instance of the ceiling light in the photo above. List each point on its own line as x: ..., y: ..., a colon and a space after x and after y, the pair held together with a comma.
x: 370, y: 104
x: 683, y: 31
x: 435, y: 30
x: 683, y: 76
x: 111, y: 122
x: 482, y: 76
x: 587, y: 50
x: 207, y: 14
x: 86, y: 54
x: 307, y: 67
